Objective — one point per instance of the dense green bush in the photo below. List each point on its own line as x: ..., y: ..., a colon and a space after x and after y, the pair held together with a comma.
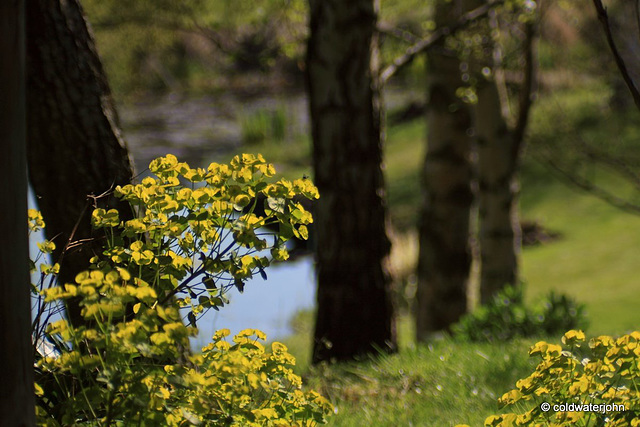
x: 507, y: 317
x: 578, y: 384
x: 130, y: 363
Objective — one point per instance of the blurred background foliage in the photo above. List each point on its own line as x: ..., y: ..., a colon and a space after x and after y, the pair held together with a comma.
x: 200, y: 45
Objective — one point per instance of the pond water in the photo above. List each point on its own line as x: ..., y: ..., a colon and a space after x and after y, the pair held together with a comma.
x: 268, y: 305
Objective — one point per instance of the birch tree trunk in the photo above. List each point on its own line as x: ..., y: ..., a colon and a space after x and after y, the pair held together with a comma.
x: 75, y: 147
x: 499, y: 153
x: 354, y: 308
x: 499, y: 233
x: 17, y: 404
x: 445, y: 256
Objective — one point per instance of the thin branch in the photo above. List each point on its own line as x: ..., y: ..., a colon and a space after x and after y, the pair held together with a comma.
x: 424, y: 44
x: 576, y: 142
x: 213, y: 36
x: 498, y: 69
x: 399, y: 33
x: 529, y: 85
x: 604, y: 20
x: 616, y: 164
x: 591, y: 188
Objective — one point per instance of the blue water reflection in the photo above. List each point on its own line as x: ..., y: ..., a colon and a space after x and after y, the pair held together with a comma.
x: 267, y: 305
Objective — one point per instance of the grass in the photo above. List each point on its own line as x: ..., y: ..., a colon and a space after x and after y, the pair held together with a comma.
x: 442, y: 384
x: 595, y: 260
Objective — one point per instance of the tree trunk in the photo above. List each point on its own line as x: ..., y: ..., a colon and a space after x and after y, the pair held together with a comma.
x: 75, y: 147
x: 499, y: 232
x: 17, y: 404
x: 354, y: 308
x: 499, y: 152
x: 444, y: 261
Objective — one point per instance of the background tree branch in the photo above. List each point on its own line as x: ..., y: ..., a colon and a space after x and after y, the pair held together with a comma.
x: 529, y: 85
x: 424, y: 44
x: 590, y: 187
x: 603, y: 17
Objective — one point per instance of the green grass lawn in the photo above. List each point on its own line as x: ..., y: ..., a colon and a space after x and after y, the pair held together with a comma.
x: 442, y: 384
x: 596, y: 260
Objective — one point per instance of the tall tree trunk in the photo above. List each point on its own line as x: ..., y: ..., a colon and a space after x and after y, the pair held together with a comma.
x: 444, y: 260
x: 75, y: 147
x: 17, y: 404
x: 354, y: 305
x: 499, y: 152
x: 499, y: 233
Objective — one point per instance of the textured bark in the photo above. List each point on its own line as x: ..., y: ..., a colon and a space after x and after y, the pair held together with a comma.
x: 444, y: 261
x: 75, y: 147
x: 499, y: 232
x: 354, y: 308
x: 17, y: 405
x: 499, y: 152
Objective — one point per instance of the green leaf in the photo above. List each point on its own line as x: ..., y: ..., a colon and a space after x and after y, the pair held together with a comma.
x: 239, y: 284
x: 210, y: 284
x: 192, y: 319
x: 263, y: 274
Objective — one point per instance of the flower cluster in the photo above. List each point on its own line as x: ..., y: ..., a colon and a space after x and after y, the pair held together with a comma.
x: 194, y: 242
x: 601, y: 373
x: 129, y: 362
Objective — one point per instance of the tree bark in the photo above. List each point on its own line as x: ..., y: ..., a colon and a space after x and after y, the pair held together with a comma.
x: 499, y: 233
x: 17, y: 403
x: 499, y: 153
x: 75, y: 147
x: 445, y: 256
x: 354, y: 305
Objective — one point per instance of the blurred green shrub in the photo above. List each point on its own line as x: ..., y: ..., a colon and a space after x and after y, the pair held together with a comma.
x: 507, y: 317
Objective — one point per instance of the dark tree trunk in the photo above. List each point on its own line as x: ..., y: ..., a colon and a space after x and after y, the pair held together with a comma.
x: 17, y: 404
x: 75, y: 147
x: 355, y: 312
x: 444, y: 261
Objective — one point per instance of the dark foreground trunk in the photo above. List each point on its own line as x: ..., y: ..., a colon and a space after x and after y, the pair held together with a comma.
x: 75, y: 147
x: 355, y: 313
x: 17, y: 406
